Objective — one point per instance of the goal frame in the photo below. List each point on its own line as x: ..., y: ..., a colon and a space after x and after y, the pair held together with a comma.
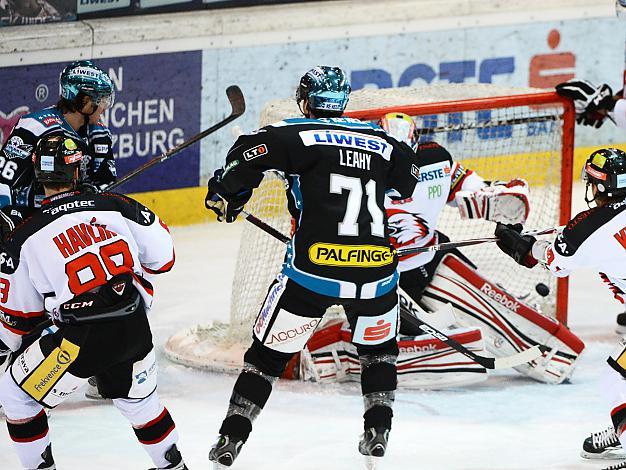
x: 529, y: 99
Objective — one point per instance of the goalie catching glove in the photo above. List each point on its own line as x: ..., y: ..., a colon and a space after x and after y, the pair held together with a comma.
x: 514, y: 244
x: 592, y: 103
x: 499, y: 202
x: 226, y: 206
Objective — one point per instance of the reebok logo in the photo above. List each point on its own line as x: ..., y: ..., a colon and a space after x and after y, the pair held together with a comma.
x: 418, y: 349
x: 502, y: 299
x: 378, y: 332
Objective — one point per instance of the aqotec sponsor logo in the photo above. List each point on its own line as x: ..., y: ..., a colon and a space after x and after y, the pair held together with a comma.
x: 502, y: 299
x: 353, y: 256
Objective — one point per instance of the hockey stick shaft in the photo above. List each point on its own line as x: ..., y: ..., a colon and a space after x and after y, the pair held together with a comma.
x: 446, y: 246
x: 487, y: 362
x: 238, y: 107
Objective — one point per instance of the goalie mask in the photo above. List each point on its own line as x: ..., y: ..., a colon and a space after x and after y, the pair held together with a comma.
x: 606, y: 170
x: 326, y: 90
x: 402, y: 127
x: 57, y: 159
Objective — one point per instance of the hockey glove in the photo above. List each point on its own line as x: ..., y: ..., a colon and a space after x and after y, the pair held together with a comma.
x: 88, y: 188
x: 505, y: 202
x: 226, y: 206
x: 590, y: 102
x: 516, y: 245
x: 5, y: 352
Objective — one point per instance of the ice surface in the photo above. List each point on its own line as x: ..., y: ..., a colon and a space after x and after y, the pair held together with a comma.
x: 508, y: 422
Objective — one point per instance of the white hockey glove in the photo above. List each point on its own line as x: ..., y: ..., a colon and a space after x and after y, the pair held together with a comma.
x: 591, y: 102
x: 500, y: 202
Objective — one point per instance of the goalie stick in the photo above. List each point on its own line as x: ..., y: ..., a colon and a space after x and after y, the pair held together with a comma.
x: 472, y: 241
x: 514, y: 360
x: 238, y: 107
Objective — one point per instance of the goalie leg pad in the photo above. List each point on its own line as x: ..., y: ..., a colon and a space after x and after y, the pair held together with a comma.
x: 509, y: 325
x: 613, y: 386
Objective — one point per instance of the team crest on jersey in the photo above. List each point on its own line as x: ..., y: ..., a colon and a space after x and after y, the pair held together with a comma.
x: 16, y: 148
x: 406, y: 228
x: 350, y: 256
x: 255, y: 152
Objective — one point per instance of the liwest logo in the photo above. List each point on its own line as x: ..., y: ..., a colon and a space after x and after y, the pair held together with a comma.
x: 347, y: 139
x: 350, y: 256
x: 378, y: 332
x: 502, y: 299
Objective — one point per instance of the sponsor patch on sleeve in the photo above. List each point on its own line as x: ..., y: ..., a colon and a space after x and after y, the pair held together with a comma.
x: 255, y: 152
x: 415, y: 171
x: 101, y: 148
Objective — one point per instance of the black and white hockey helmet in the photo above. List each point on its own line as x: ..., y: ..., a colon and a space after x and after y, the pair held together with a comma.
x: 57, y: 159
x: 606, y: 170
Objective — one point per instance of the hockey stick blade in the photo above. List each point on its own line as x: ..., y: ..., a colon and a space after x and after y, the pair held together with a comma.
x: 238, y: 107
x: 527, y: 355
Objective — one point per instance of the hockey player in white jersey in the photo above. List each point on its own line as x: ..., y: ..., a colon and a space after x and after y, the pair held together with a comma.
x: 84, y: 260
x: 434, y: 278
x: 596, y: 239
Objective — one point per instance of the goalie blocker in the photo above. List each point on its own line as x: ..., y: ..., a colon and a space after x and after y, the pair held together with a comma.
x: 508, y: 324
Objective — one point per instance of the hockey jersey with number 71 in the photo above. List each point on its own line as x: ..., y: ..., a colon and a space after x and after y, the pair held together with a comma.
x: 73, y: 244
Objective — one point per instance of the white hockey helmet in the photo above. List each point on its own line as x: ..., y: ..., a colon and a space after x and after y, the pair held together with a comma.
x: 402, y: 127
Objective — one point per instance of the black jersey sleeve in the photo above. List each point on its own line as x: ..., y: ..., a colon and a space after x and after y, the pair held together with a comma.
x: 250, y: 156
x: 403, y: 171
x: 101, y: 171
x: 16, y: 167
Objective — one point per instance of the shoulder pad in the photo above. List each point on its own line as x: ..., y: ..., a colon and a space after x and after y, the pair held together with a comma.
x: 432, y: 152
x: 131, y: 209
x: 585, y: 224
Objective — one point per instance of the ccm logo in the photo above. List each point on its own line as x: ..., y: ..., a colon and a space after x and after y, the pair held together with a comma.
x: 500, y: 298
x: 75, y: 305
x: 378, y: 332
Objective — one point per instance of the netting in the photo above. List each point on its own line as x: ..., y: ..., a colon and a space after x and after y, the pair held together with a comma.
x: 497, y: 140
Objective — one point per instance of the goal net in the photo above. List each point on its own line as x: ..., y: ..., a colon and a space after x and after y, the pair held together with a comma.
x: 499, y: 132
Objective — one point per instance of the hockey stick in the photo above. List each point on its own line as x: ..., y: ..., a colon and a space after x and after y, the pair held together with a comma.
x: 407, y: 309
x: 238, y: 107
x: 406, y: 315
x: 445, y: 246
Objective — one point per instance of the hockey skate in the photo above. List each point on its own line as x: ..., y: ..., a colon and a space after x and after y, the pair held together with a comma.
x: 372, y: 445
x: 92, y: 392
x: 603, y: 445
x: 225, y: 451
x: 617, y: 466
x: 48, y: 461
x: 176, y: 460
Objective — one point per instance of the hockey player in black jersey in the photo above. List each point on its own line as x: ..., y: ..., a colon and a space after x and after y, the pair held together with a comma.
x: 86, y: 91
x: 338, y: 172
x: 84, y: 260
x: 594, y: 239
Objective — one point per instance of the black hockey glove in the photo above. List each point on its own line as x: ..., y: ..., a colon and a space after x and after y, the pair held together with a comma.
x: 88, y: 188
x: 516, y: 245
x: 226, y: 206
x: 590, y: 102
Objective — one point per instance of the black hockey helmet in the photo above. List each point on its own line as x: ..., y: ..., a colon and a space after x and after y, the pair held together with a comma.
x: 57, y: 159
x: 326, y: 90
x: 606, y: 169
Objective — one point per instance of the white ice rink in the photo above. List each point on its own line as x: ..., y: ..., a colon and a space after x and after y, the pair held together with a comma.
x: 508, y: 422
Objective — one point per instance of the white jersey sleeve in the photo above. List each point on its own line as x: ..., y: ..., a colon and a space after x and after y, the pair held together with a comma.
x: 21, y: 304
x: 463, y: 179
x: 594, y: 239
